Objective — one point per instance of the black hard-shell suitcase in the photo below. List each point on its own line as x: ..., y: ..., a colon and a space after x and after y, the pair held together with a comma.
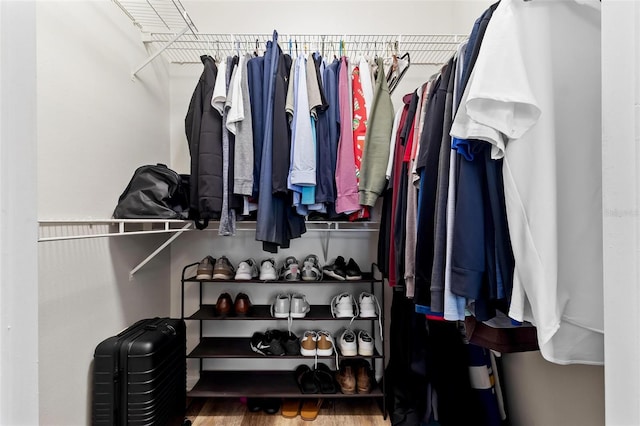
x: 139, y: 376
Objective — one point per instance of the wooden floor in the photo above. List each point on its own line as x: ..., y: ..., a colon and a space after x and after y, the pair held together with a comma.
x: 334, y: 412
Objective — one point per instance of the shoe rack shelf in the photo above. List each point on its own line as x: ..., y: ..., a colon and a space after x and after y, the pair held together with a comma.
x: 238, y: 347
x: 271, y: 383
x: 263, y: 312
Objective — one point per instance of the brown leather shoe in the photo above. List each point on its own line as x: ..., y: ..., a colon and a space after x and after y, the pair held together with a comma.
x: 224, y: 304
x: 363, y: 377
x: 242, y: 305
x: 346, y: 380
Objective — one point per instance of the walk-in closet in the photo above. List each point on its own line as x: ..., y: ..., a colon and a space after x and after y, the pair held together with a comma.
x: 377, y: 293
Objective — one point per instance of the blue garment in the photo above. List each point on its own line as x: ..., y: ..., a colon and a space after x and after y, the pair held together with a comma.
x: 255, y: 71
x: 482, y: 258
x: 276, y: 223
x: 328, y: 148
x: 268, y: 206
x: 463, y: 146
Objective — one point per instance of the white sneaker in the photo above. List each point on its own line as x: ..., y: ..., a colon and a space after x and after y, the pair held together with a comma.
x: 308, y: 343
x: 281, y: 306
x: 325, y: 343
x: 342, y: 306
x: 247, y: 270
x: 311, y: 270
x: 268, y: 270
x: 347, y: 343
x: 365, y: 344
x: 299, y: 306
x: 290, y: 269
x: 368, y: 304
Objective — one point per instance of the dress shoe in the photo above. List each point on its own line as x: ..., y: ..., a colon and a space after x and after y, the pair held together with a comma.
x: 363, y: 377
x: 242, y: 305
x: 224, y: 304
x: 271, y: 405
x: 346, y: 380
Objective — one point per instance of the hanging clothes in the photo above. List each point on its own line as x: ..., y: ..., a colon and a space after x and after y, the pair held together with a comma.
x: 203, y: 127
x: 555, y: 225
x: 376, y: 146
x: 255, y: 71
x: 346, y: 184
x: 227, y: 218
x: 326, y: 135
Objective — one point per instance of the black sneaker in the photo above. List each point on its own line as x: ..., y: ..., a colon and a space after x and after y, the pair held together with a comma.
x: 258, y: 343
x: 273, y: 339
x: 291, y: 344
x: 336, y: 269
x: 353, y: 270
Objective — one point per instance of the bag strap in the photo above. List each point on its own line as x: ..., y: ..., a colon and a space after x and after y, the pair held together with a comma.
x: 201, y: 223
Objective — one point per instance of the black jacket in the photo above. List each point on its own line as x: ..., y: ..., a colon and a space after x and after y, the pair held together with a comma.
x: 203, y: 127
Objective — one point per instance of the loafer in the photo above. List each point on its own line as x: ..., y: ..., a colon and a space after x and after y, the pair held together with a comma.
x: 242, y: 305
x: 224, y: 304
x: 363, y: 377
x: 254, y: 404
x: 271, y: 405
x: 346, y: 380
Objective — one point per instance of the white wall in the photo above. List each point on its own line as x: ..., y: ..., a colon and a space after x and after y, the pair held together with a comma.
x: 95, y: 126
x: 18, y: 227
x: 621, y: 186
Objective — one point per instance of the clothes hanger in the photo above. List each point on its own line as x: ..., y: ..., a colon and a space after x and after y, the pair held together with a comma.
x: 405, y: 59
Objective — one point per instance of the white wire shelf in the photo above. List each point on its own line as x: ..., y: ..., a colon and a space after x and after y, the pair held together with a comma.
x: 77, y: 229
x: 170, y: 32
x: 423, y: 49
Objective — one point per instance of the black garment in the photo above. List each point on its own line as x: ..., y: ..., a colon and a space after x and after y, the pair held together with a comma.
x: 405, y: 388
x: 400, y: 192
x: 427, y: 166
x: 277, y: 222
x: 448, y: 372
x: 281, y: 129
x: 442, y: 192
x: 325, y: 181
x: 203, y: 128
x: 255, y: 73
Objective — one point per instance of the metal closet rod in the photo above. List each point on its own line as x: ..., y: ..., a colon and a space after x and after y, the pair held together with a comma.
x: 183, y: 45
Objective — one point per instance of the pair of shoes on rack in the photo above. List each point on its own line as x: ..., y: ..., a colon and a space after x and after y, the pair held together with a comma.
x: 290, y: 270
x: 351, y: 343
x: 290, y: 306
x: 275, y: 342
x: 344, y: 305
x: 319, y: 380
x: 340, y: 270
x: 316, y: 343
x: 355, y: 376
x: 247, y: 270
x: 217, y: 269
x: 241, y: 306
x: 308, y: 410
x: 268, y: 405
